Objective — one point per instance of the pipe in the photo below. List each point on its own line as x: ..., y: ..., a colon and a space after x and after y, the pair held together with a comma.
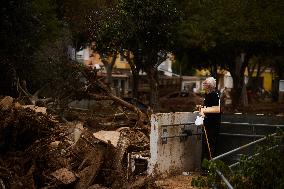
x: 181, y: 135
x: 180, y: 124
x: 224, y: 179
x: 241, y: 135
x: 250, y: 157
x: 251, y: 124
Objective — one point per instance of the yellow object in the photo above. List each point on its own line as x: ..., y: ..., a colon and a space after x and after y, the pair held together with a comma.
x: 208, y: 145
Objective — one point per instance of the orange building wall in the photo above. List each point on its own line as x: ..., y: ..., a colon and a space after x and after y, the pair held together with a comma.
x: 95, y: 59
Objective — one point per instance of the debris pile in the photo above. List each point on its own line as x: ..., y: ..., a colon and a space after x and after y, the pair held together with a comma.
x: 90, y: 150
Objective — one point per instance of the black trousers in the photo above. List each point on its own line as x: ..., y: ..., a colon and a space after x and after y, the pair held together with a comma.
x: 212, y: 127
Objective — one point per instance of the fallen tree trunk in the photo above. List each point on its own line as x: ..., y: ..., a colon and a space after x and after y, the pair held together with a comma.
x: 119, y: 172
x: 118, y: 101
x: 93, y: 155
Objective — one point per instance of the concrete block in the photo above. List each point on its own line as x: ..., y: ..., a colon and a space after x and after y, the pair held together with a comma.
x: 174, y: 154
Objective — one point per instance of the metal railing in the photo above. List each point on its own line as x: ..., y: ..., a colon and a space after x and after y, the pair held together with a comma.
x: 228, y: 184
x: 251, y: 124
x: 250, y: 157
x: 242, y: 147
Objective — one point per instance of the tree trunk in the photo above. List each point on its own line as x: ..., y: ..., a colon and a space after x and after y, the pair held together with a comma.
x: 109, y: 79
x: 109, y: 67
x: 135, y: 72
x: 135, y: 76
x: 237, y: 72
x: 154, y: 92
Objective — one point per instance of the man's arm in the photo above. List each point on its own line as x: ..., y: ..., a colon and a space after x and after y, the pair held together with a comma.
x: 209, y: 110
x: 212, y: 109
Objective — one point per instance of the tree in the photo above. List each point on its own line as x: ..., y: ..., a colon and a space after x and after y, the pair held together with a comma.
x: 233, y: 31
x: 25, y: 26
x: 277, y: 64
x: 76, y: 15
x: 151, y: 26
x: 89, y: 23
x: 256, y: 68
x: 104, y: 29
x: 142, y: 31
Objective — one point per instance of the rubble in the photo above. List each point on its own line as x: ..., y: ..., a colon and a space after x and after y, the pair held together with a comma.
x: 36, y: 108
x: 108, y: 136
x: 94, y: 150
x: 64, y: 175
x: 6, y: 103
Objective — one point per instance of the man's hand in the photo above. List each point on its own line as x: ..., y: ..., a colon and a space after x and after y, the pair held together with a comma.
x: 198, y: 107
x: 201, y: 112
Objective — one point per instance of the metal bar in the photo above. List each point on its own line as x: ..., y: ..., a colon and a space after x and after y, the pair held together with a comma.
x: 251, y: 124
x: 230, y: 123
x: 181, y: 135
x: 181, y: 124
x: 241, y: 135
x: 224, y: 179
x: 253, y: 132
x: 250, y: 157
x: 242, y: 147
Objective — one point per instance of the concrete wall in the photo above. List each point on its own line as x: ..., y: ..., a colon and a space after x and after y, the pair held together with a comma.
x: 175, y: 156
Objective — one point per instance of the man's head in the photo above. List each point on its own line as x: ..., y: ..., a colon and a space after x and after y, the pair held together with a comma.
x: 209, y: 84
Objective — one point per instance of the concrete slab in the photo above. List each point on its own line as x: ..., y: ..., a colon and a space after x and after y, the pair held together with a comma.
x: 174, y: 154
x: 108, y: 136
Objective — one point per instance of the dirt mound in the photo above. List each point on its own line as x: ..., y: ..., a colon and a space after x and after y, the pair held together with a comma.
x: 39, y: 151
x: 20, y: 127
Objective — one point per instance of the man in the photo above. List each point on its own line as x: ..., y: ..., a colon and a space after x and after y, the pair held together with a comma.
x: 212, y: 118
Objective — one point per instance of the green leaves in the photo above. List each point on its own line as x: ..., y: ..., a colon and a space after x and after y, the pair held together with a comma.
x: 132, y: 25
x: 264, y: 170
x: 234, y: 21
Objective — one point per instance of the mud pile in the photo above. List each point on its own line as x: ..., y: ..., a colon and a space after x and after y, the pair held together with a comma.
x: 90, y: 150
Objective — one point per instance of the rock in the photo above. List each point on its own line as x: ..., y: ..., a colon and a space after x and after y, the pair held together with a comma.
x: 54, y: 144
x: 108, y: 136
x: 64, y: 175
x: 36, y: 108
x: 97, y: 186
x: 6, y: 103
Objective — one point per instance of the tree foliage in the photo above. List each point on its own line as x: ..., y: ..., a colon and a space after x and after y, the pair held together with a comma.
x: 263, y: 170
x: 26, y: 26
x: 231, y: 32
x: 151, y: 26
x: 133, y: 25
x: 75, y: 15
x: 151, y: 29
x: 141, y: 30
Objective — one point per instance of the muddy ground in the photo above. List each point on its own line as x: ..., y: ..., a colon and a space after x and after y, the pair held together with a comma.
x: 104, y: 147
x: 177, y: 182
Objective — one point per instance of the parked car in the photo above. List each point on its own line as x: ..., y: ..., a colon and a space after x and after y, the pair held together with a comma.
x: 180, y: 102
